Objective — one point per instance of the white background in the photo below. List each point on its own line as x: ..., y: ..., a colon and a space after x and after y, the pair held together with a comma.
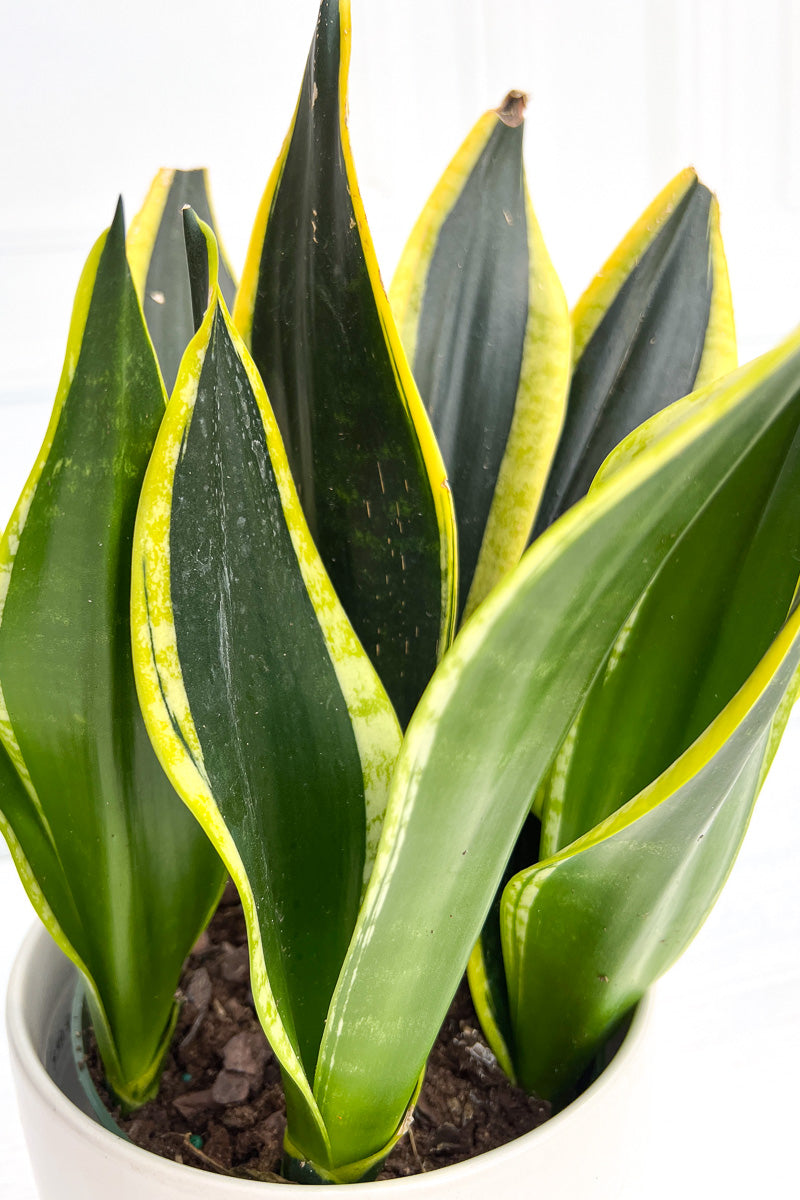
x: 95, y: 96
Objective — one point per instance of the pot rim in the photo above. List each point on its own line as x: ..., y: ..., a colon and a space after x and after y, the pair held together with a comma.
x: 109, y: 1144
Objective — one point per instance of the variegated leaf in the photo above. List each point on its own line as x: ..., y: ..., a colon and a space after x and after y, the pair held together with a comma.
x: 485, y: 324
x: 121, y: 874
x: 157, y: 257
x: 655, y: 324
x: 314, y: 315
x: 264, y: 709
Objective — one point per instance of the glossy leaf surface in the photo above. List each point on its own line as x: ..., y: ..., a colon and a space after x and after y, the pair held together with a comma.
x: 121, y: 874
x: 264, y: 709
x: 485, y: 324
x: 489, y: 726
x: 700, y: 636
x: 313, y: 313
x: 654, y: 325
x: 588, y: 931
x: 721, y: 594
x: 157, y: 256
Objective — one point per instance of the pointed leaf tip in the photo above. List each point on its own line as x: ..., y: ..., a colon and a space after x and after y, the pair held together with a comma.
x: 116, y: 230
x: 197, y: 261
x: 654, y: 325
x: 512, y: 111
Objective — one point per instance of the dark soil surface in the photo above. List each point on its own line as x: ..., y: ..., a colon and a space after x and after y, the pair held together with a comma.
x: 221, y: 1108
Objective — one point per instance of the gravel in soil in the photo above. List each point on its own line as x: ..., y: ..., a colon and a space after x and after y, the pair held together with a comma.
x: 220, y: 1107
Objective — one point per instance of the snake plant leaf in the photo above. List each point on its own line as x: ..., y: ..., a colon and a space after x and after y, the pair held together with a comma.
x: 491, y: 722
x: 587, y: 931
x: 722, y: 594
x: 263, y: 707
x: 655, y: 324
x: 685, y: 648
x: 157, y: 258
x: 122, y: 875
x: 312, y: 310
x: 486, y: 970
x: 486, y: 327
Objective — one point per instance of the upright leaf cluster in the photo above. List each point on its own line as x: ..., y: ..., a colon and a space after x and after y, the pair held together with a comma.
x: 337, y: 484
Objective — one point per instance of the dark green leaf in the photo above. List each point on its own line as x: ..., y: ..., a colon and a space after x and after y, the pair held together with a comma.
x: 264, y: 708
x: 157, y: 253
x: 646, y: 349
x: 314, y: 315
x: 127, y: 875
x: 484, y: 318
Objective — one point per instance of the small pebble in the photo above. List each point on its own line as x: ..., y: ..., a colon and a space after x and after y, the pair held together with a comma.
x: 199, y: 991
x: 193, y: 1102
x: 231, y: 1087
x: 235, y: 965
x: 246, y: 1052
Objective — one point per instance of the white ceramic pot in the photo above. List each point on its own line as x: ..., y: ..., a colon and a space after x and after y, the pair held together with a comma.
x: 578, y: 1154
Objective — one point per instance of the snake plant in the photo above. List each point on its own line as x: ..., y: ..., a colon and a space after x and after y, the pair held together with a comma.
x: 416, y: 746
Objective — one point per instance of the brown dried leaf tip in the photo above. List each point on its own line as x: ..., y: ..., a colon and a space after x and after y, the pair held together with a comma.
x: 512, y: 111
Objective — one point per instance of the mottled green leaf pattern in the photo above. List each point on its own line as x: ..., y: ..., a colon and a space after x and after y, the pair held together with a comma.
x: 314, y: 315
x: 123, y: 876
